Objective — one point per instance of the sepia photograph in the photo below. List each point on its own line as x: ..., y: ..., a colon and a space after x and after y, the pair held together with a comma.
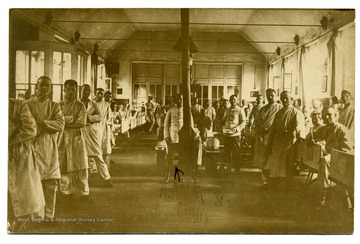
x: 181, y: 121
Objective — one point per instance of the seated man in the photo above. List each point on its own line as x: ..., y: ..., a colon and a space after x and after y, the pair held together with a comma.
x: 314, y: 130
x: 336, y: 136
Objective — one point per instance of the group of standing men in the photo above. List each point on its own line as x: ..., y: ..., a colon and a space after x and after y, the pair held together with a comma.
x: 279, y: 129
x: 49, y: 147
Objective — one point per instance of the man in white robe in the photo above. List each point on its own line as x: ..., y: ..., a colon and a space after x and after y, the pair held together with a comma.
x: 92, y: 136
x: 26, y: 198
x: 211, y: 113
x: 72, y: 150
x: 288, y: 127
x: 263, y: 122
x: 50, y: 121
x: 347, y: 113
x: 104, y: 127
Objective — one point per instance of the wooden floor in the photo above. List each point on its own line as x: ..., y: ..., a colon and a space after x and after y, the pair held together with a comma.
x: 141, y: 202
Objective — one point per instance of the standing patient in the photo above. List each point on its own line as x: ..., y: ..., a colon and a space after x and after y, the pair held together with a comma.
x: 50, y: 121
x: 72, y: 151
x: 24, y: 182
x: 92, y: 135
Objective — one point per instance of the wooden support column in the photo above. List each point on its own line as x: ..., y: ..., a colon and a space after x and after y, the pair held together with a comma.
x: 94, y: 66
x: 185, y: 66
x: 186, y: 134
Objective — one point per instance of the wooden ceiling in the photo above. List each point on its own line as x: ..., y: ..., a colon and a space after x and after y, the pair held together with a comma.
x: 266, y: 29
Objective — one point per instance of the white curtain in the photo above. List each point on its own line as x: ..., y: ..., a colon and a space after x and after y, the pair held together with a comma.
x: 314, y: 71
x: 345, y: 60
x: 311, y: 67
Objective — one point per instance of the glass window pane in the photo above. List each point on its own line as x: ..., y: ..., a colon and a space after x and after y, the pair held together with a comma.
x: 56, y: 93
x: 230, y: 91
x: 236, y: 91
x: 22, y: 67
x: 214, y: 93
x: 174, y: 90
x: 82, y: 70
x: 221, y: 92
x: 205, y: 94
x: 167, y: 90
x: 152, y: 90
x: 205, y: 91
x: 56, y: 79
x: 136, y: 90
x: 37, y: 65
x: 66, y: 67
x: 78, y: 78
x: 158, y: 91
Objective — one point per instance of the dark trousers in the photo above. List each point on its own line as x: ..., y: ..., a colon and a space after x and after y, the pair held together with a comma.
x: 232, y: 151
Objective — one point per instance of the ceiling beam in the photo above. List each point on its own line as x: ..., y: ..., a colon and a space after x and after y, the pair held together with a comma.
x: 172, y: 51
x: 172, y: 23
x: 173, y: 40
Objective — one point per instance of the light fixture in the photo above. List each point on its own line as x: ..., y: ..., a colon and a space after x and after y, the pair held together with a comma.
x: 324, y: 22
x: 296, y: 39
x: 77, y: 36
x: 179, y: 44
x: 193, y: 47
x: 278, y: 51
x: 96, y: 47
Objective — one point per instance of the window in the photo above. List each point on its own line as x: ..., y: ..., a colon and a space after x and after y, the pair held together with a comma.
x: 156, y: 91
x: 217, y: 93
x: 222, y: 81
x: 202, y: 93
x: 139, y: 94
x: 171, y: 90
x: 161, y: 80
x: 61, y: 73
x: 231, y: 90
x: 29, y: 67
x: 81, y: 70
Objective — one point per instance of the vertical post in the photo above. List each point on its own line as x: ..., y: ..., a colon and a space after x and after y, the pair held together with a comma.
x: 186, y: 134
x: 94, y: 69
x: 333, y: 63
x: 94, y: 66
x: 185, y: 67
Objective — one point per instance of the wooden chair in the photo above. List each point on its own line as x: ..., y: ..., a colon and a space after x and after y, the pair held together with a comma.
x: 310, y: 160
x: 342, y: 173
